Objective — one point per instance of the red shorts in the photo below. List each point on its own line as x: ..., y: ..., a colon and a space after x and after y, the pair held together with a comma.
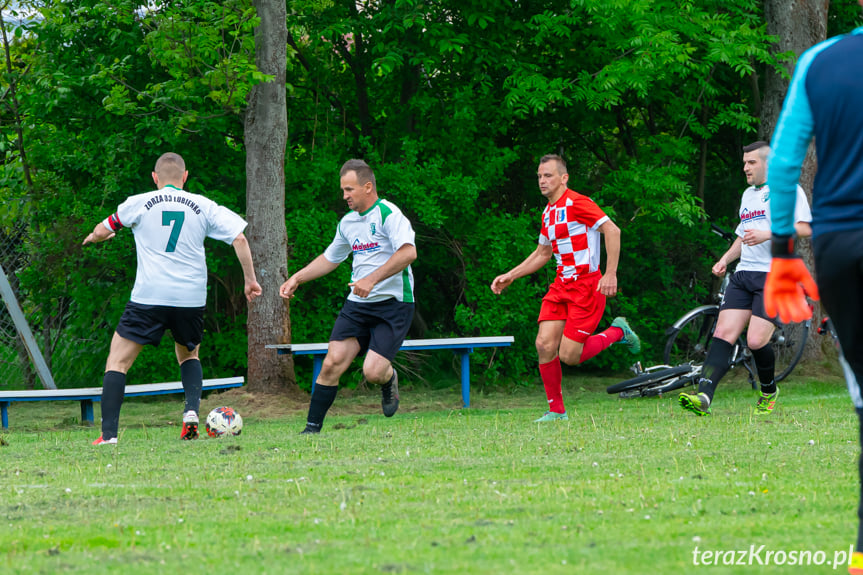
x: 579, y: 303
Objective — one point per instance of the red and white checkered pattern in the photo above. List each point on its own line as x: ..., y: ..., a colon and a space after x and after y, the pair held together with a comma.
x: 571, y: 227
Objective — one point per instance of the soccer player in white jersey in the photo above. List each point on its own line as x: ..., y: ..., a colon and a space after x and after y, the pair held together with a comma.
x: 575, y: 302
x: 170, y: 289
x: 380, y: 306
x: 744, y: 298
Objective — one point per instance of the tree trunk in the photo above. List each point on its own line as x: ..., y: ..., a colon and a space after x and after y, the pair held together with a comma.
x: 799, y: 24
x: 266, y: 128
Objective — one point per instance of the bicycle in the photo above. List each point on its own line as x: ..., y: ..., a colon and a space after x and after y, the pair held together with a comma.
x: 826, y: 327
x: 688, y: 340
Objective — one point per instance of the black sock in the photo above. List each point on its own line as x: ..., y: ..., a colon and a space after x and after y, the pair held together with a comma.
x: 113, y: 390
x: 322, y: 398
x: 715, y: 366
x: 765, y: 365
x: 860, y: 471
x: 391, y: 379
x: 192, y: 375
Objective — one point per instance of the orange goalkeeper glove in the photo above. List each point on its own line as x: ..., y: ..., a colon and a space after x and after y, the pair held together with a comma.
x: 788, y: 283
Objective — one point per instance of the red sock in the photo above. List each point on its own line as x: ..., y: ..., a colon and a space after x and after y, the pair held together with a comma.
x: 600, y: 341
x: 552, y: 374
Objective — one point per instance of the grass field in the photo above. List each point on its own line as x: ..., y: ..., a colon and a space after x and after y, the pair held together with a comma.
x: 626, y: 486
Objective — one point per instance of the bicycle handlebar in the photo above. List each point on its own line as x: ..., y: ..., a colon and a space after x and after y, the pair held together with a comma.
x: 723, y: 233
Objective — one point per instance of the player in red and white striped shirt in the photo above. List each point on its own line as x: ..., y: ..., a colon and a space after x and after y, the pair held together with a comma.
x: 572, y: 308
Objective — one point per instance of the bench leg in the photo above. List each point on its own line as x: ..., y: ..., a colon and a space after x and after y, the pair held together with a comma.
x: 316, y: 369
x: 4, y: 406
x: 465, y: 375
x: 87, y: 412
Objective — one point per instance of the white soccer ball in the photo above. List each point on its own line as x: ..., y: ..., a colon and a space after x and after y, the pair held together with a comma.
x: 224, y: 421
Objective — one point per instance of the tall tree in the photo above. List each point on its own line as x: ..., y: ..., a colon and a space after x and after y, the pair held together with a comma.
x: 798, y: 26
x: 266, y: 132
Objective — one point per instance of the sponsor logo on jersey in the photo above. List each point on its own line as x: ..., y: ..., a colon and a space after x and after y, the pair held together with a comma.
x: 560, y: 217
x: 370, y: 247
x: 750, y: 216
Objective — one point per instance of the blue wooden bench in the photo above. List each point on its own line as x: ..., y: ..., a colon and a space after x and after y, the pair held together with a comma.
x: 87, y: 395
x: 461, y: 346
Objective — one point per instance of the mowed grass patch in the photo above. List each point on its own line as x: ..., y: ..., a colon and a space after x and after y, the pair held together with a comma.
x: 628, y: 486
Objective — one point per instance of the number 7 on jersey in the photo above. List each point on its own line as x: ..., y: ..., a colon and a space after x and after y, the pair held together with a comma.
x: 175, y: 218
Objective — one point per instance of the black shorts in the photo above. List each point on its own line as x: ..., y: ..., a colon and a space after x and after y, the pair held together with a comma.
x: 839, y: 272
x: 746, y: 291
x: 380, y: 326
x: 145, y: 324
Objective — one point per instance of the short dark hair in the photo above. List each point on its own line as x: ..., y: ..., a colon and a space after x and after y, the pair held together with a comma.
x: 363, y: 171
x: 759, y: 146
x: 170, y: 166
x: 561, y: 165
x: 755, y: 146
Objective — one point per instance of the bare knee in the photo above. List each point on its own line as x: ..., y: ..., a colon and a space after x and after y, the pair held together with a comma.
x: 116, y: 365
x: 377, y: 371
x: 377, y: 375
x: 757, y: 341
x: 546, y: 349
x: 759, y: 333
x: 726, y: 334
x: 731, y: 323
x: 570, y: 356
x: 332, y: 369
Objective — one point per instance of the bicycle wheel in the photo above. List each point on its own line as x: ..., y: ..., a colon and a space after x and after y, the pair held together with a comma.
x: 689, y: 339
x: 649, y: 379
x: 666, y: 386
x: 789, y: 341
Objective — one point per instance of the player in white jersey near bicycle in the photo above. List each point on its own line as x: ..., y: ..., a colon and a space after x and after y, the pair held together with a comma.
x: 380, y: 306
x: 575, y: 302
x: 743, y: 302
x: 170, y: 290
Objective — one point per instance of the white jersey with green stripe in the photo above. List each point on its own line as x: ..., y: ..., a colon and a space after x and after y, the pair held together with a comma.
x: 373, y: 236
x: 170, y: 226
x: 755, y: 215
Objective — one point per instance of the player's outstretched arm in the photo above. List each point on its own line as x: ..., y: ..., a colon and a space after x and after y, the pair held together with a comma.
x: 608, y: 282
x: 320, y: 266
x: 99, y: 234
x: 531, y: 263
x: 399, y: 261
x: 252, y: 289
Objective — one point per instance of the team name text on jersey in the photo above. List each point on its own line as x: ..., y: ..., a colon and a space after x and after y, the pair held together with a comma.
x: 176, y: 199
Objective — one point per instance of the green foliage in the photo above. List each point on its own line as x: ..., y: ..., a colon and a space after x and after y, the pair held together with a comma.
x: 103, y: 99
x: 452, y: 103
x: 481, y: 257
x: 844, y: 16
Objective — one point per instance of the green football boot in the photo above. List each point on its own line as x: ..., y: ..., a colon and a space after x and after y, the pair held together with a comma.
x: 630, y: 338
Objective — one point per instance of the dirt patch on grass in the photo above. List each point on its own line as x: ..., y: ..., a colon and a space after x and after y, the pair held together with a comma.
x: 259, y: 405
